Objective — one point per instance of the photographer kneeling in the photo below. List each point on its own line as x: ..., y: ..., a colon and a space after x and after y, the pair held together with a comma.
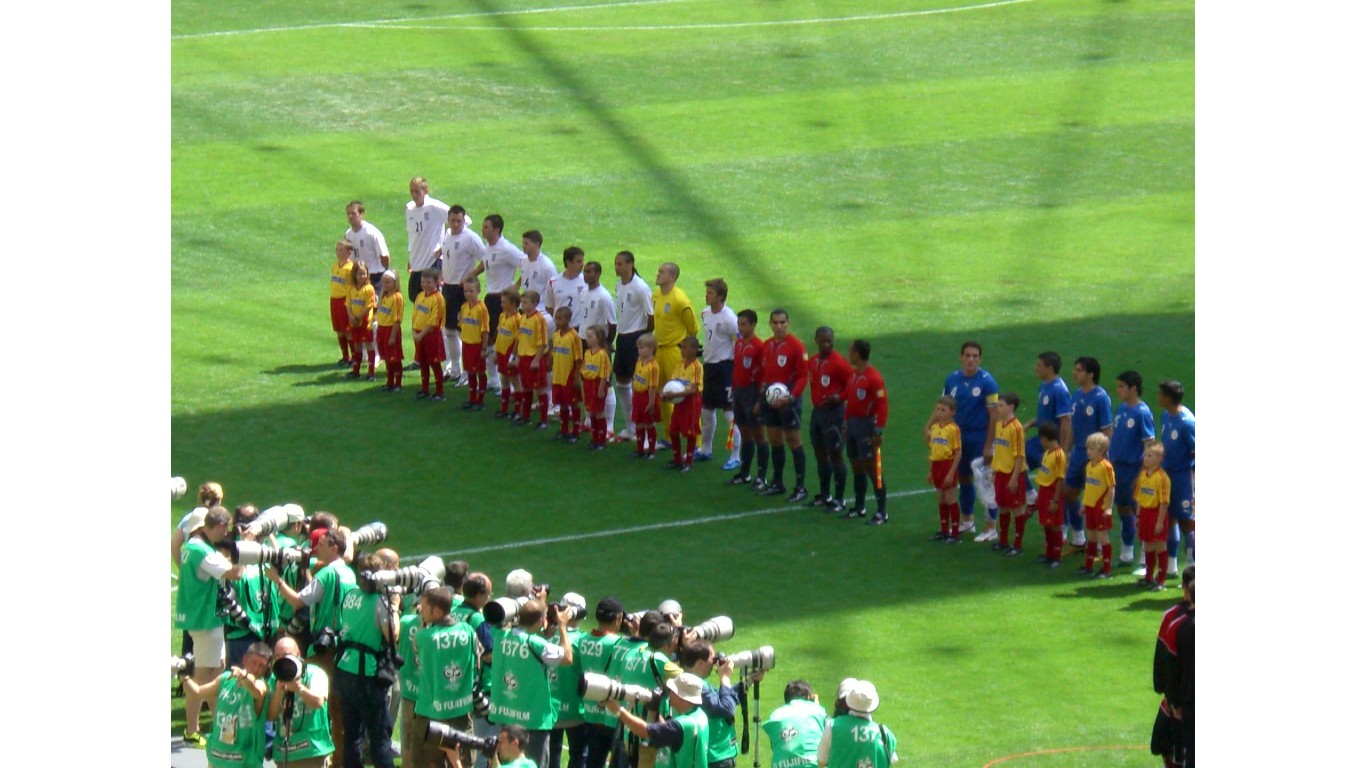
x: 682, y: 739
x: 238, y: 738
x: 298, y: 706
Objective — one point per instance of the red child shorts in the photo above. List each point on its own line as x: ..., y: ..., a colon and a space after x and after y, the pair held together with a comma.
x: 940, y: 472
x: 341, y: 321
x: 1096, y: 519
x: 592, y: 401
x: 432, y: 349
x: 565, y: 394
x: 472, y: 358
x: 389, y: 351
x: 685, y: 419
x: 1006, y: 498
x: 530, y: 375
x: 1050, y: 510
x: 640, y: 414
x: 1147, y: 525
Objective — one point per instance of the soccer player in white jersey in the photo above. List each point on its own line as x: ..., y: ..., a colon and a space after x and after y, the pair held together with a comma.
x: 461, y: 251
x: 596, y: 307
x: 501, y: 261
x: 537, y: 272
x: 635, y: 318
x: 426, y: 218
x: 368, y: 248
x: 568, y: 286
x: 721, y: 329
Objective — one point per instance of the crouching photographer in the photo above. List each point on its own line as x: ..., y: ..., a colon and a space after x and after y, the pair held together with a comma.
x: 681, y: 739
x: 298, y: 707
x: 238, y: 737
x: 367, y: 665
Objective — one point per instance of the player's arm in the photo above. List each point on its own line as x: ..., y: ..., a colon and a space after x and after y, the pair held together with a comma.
x: 989, y: 447
x: 1065, y: 431
x: 1107, y: 499
x: 1017, y: 445
x: 689, y: 319
x: 952, y: 474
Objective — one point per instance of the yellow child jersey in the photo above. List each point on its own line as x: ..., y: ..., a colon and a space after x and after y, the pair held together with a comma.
x: 531, y: 334
x: 341, y: 278
x: 360, y: 303
x: 646, y: 377
x: 565, y: 351
x: 596, y: 365
x: 390, y: 310
x: 1100, y: 477
x: 1008, y: 446
x: 674, y: 317
x: 474, y: 322
x: 945, y: 441
x: 1152, y: 490
x: 507, y: 331
x: 1053, y: 467
x: 691, y: 372
x: 429, y: 311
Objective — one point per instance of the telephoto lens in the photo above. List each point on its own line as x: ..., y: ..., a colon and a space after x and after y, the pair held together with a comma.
x: 599, y: 688
x: 370, y: 533
x: 445, y: 736
x: 183, y: 665
x: 504, y: 610
x: 715, y: 629
x: 287, y: 669
x: 758, y: 660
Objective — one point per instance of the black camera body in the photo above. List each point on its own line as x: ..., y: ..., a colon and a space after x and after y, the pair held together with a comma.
x: 445, y: 736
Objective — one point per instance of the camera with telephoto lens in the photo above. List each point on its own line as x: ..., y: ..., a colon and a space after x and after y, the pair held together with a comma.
x: 599, y: 688
x: 275, y: 519
x: 298, y: 623
x: 451, y: 738
x: 714, y: 630
x: 252, y: 553
x: 287, y: 669
x: 412, y: 579
x: 758, y: 660
x: 576, y: 612
x: 370, y: 533
x: 504, y: 610
x: 183, y: 665
x: 229, y: 608
x: 325, y: 639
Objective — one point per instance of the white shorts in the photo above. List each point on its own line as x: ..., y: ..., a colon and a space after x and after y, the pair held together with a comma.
x: 210, y: 649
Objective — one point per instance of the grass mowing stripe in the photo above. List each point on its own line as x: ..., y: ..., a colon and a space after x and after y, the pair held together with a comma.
x: 633, y: 529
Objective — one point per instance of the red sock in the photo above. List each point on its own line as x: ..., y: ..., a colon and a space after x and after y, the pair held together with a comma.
x: 652, y: 434
x: 543, y: 406
x: 1162, y: 560
x: 371, y: 355
x: 1149, y: 560
x: 355, y: 365
x: 1048, y: 543
x: 526, y: 405
x: 1019, y: 530
x: 955, y: 519
x: 564, y: 419
x: 640, y: 438
x: 440, y: 380
x: 1005, y: 528
x: 1105, y: 551
x: 692, y: 449
x: 943, y: 518
x: 504, y: 399
x: 1090, y: 554
x: 481, y: 385
x: 678, y: 447
x: 574, y: 420
x: 346, y: 350
x: 599, y: 430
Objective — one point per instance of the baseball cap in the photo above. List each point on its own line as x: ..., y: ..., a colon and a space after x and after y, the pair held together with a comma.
x: 609, y: 607
x: 194, y: 521
x: 846, y: 685
x: 862, y: 698
x: 574, y: 599
x: 688, y: 687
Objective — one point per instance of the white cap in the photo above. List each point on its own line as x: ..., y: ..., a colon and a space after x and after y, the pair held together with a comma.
x: 862, y: 698
x: 688, y: 687
x: 670, y: 606
x: 846, y: 685
x: 575, y: 599
x: 194, y: 521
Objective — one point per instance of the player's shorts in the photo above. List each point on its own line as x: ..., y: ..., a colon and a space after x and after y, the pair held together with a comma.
x: 746, y: 399
x: 1125, y: 476
x: 432, y: 348
x: 1076, y: 468
x: 640, y: 414
x: 210, y: 647
x: 531, y: 375
x: 1166, y: 738
x: 505, y: 363
x: 624, y: 362
x: 716, y: 385
x: 454, y: 296
x: 565, y: 394
x: 788, y: 418
x: 592, y: 401
x: 1033, y: 453
x: 1182, y: 505
x: 1006, y: 498
x: 827, y: 428
x: 859, y: 433
x: 685, y: 416
x: 1147, y: 525
x: 341, y: 319
x: 973, y: 443
x: 1050, y: 506
x: 1096, y: 519
x: 391, y: 352
x: 472, y: 358
x: 939, y: 473
x: 362, y: 334
x: 493, y: 302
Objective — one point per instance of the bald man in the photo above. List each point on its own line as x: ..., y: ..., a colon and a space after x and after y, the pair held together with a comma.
x: 298, y: 708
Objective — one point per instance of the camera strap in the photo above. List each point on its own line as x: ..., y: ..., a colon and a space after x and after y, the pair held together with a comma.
x: 886, y: 743
x: 744, y: 718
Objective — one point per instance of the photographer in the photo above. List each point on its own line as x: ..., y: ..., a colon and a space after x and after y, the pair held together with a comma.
x: 238, y: 737
x: 202, y: 571
x: 477, y: 590
x: 447, y: 659
x: 646, y: 664
x: 681, y: 739
x: 854, y: 740
x: 511, y: 744
x: 564, y: 686
x: 366, y: 666
x: 795, y: 729
x: 521, y: 685
x: 699, y: 658
x: 253, y: 592
x: 299, y: 710
x: 593, y: 653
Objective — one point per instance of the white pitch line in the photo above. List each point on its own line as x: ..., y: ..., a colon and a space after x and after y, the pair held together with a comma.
x: 635, y: 529
x: 703, y: 25
x: 382, y: 23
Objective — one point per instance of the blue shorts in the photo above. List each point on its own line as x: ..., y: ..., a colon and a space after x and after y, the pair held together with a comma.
x: 1033, y: 453
x: 1125, y: 476
x: 1076, y: 469
x: 973, y: 443
x: 1182, y: 506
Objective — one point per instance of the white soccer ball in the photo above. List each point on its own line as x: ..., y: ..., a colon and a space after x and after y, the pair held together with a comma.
x: 178, y: 487
x: 673, y: 390
x: 776, y: 393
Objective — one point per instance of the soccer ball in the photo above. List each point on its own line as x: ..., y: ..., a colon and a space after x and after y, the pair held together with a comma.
x: 178, y: 487
x: 776, y: 393
x: 673, y: 390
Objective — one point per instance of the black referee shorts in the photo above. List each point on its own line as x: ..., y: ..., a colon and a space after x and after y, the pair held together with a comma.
x: 716, y: 379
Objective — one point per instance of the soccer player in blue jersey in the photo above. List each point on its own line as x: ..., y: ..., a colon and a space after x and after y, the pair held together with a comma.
x: 1133, y: 431
x: 1178, y: 438
x: 1090, y: 414
x: 975, y: 392
x: 1054, y: 406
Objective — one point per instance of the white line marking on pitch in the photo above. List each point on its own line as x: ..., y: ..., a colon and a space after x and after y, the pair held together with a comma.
x: 636, y: 529
x: 702, y: 25
x: 380, y: 23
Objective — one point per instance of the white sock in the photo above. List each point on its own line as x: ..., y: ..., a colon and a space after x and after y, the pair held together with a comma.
x: 734, y: 438
x: 1172, y: 568
x: 610, y: 409
x: 456, y: 345
x: 1127, y: 552
x: 452, y: 360
x: 708, y: 430
x: 624, y: 395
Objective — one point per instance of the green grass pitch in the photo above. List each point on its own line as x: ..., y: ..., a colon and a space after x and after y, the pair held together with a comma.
x: 915, y: 172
